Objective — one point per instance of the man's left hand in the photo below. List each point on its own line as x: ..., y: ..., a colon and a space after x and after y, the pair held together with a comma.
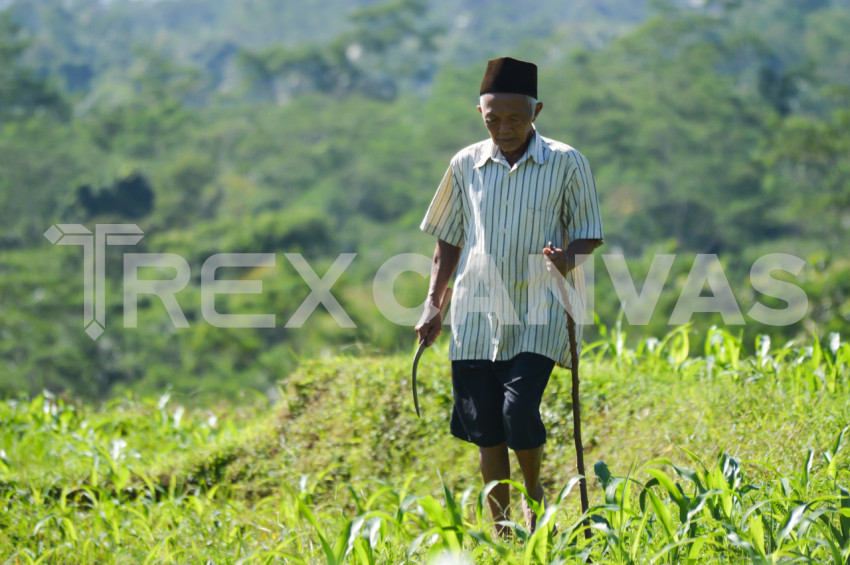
x: 558, y: 259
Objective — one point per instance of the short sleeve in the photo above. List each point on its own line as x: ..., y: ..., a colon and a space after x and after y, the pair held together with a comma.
x: 580, y: 212
x: 444, y: 218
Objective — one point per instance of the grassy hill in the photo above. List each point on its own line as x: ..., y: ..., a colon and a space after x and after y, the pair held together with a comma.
x: 712, y: 457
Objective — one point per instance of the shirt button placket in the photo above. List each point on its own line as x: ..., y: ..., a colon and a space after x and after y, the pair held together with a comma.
x: 504, y: 232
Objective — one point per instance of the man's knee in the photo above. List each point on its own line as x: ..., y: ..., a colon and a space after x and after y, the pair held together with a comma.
x: 518, y: 410
x: 523, y: 425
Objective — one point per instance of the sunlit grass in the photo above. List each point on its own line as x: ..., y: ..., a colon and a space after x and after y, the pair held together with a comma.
x: 702, y: 455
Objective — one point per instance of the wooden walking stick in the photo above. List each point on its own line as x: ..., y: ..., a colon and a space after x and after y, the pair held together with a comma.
x: 571, y: 331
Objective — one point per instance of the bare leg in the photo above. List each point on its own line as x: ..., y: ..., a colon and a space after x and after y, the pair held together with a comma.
x: 530, y: 461
x: 495, y: 466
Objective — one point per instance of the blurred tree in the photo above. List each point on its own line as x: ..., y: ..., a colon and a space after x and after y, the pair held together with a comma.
x: 388, y: 48
x: 807, y: 171
x: 22, y: 93
x: 153, y: 114
x: 129, y: 198
x: 827, y: 43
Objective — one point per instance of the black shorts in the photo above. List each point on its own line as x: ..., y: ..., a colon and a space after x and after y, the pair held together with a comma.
x: 499, y: 401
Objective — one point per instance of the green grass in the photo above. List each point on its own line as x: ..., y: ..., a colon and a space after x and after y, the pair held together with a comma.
x: 701, y: 454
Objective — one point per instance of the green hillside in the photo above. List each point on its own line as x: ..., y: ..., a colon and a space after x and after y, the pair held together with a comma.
x: 728, y: 458
x: 243, y: 127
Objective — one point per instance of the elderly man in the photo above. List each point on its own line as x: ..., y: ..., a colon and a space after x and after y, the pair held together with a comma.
x: 499, y: 208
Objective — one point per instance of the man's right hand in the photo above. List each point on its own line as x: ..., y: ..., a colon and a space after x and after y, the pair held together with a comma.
x: 430, y: 325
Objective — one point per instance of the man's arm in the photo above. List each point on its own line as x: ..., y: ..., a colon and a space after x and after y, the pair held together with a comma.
x: 576, y: 253
x: 443, y: 266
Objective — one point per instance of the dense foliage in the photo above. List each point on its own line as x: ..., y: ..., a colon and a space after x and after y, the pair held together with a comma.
x: 224, y: 126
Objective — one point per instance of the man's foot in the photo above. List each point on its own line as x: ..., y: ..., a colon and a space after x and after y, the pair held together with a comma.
x: 528, y: 513
x: 504, y: 532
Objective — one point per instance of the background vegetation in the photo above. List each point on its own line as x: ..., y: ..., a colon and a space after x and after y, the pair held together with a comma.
x: 225, y: 126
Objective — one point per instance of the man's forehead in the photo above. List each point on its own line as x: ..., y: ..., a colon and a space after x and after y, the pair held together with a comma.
x: 504, y: 102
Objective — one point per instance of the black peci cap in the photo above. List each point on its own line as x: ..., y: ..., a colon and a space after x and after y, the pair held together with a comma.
x: 510, y: 76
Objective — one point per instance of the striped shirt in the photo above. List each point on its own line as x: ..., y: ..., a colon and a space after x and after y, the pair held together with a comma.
x: 505, y: 302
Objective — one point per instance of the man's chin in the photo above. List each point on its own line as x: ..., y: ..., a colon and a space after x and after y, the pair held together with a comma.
x: 507, y: 147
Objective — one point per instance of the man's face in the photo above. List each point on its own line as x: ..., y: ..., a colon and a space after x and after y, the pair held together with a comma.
x: 508, y: 118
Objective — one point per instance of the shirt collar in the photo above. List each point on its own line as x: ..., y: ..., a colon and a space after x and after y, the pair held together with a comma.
x: 536, y: 151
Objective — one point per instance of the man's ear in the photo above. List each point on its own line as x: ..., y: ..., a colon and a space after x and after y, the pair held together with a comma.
x: 537, y: 110
x: 479, y: 110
